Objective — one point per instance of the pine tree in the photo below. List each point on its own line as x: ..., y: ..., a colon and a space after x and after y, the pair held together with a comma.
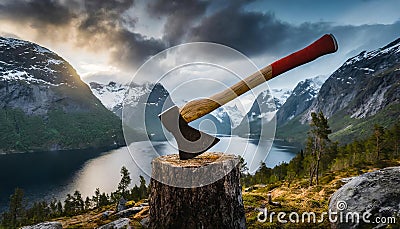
x: 142, y: 187
x: 69, y: 205
x: 78, y: 202
x: 87, y: 203
x: 59, y: 208
x: 16, y: 211
x: 378, y: 134
x: 242, y: 165
x: 124, y: 183
x: 317, y: 143
x: 96, y: 197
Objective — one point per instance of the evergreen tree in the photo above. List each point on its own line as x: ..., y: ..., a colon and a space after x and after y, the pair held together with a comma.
x: 96, y: 197
x: 317, y: 144
x: 78, y: 202
x: 103, y: 200
x: 124, y: 183
x: 87, y: 203
x: 59, y: 208
x: 378, y: 135
x: 69, y: 205
x: 242, y: 165
x: 16, y: 211
x: 142, y: 188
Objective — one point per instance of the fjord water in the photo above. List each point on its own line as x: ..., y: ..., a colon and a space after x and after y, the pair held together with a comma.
x: 48, y: 175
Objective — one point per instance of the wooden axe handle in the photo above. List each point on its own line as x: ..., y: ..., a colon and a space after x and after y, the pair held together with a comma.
x: 198, y: 108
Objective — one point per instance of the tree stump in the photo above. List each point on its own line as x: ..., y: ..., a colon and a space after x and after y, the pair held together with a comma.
x: 203, y: 192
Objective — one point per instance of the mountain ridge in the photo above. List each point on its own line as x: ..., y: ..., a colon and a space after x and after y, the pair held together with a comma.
x: 362, y: 92
x: 44, y: 105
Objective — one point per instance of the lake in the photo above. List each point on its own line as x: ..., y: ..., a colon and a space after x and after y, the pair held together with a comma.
x: 47, y: 175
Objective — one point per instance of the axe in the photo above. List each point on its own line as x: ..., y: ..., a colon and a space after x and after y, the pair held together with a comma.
x: 192, y: 142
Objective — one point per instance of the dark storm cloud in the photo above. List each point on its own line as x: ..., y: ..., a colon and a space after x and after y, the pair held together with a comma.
x: 180, y: 17
x: 37, y: 12
x: 134, y: 48
x: 105, y: 23
x: 110, y: 25
x: 253, y: 32
x: 100, y: 25
x: 101, y: 15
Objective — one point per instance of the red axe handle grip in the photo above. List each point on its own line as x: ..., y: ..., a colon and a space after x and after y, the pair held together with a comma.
x: 198, y: 108
x: 324, y: 45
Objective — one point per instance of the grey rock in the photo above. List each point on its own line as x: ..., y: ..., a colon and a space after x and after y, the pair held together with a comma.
x: 130, y: 211
x: 121, y: 204
x: 347, y: 179
x: 117, y: 224
x: 45, y: 225
x: 144, y: 204
x: 376, y: 193
x: 145, y: 222
x: 106, y: 214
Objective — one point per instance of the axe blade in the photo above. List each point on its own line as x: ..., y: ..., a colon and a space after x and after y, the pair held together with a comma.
x: 191, y: 142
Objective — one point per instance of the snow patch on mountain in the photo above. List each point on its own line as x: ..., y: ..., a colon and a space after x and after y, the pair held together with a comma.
x: 393, y: 47
x: 33, y: 64
x: 228, y: 111
x: 280, y: 95
x: 111, y: 95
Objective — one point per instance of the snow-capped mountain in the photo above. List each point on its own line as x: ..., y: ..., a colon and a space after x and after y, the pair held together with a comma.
x: 111, y: 95
x: 137, y: 98
x: 280, y: 96
x: 364, y: 91
x: 25, y: 61
x: 300, y: 99
x: 263, y: 110
x: 232, y: 111
x: 363, y: 85
x: 47, y: 95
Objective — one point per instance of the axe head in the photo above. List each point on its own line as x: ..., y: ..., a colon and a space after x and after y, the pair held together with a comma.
x: 191, y: 142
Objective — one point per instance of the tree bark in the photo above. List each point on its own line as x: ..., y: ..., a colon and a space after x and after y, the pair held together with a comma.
x: 214, y: 205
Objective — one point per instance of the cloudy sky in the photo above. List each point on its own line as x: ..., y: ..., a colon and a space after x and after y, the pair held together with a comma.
x: 110, y: 39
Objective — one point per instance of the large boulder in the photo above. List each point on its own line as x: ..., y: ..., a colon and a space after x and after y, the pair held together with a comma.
x: 372, y: 196
x: 129, y: 212
x: 117, y: 224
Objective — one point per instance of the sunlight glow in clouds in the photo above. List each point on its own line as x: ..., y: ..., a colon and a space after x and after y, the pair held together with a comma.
x: 108, y: 40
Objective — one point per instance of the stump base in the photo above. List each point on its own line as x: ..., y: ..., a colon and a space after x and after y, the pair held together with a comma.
x: 215, y: 205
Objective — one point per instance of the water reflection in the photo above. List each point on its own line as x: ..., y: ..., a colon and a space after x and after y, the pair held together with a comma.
x: 48, y: 175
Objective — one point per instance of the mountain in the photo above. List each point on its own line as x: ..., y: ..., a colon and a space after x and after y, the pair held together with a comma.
x: 217, y: 122
x: 111, y: 95
x: 261, y: 112
x: 44, y: 105
x: 280, y: 96
x: 136, y: 98
x: 299, y: 100
x: 364, y: 91
x: 220, y: 121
